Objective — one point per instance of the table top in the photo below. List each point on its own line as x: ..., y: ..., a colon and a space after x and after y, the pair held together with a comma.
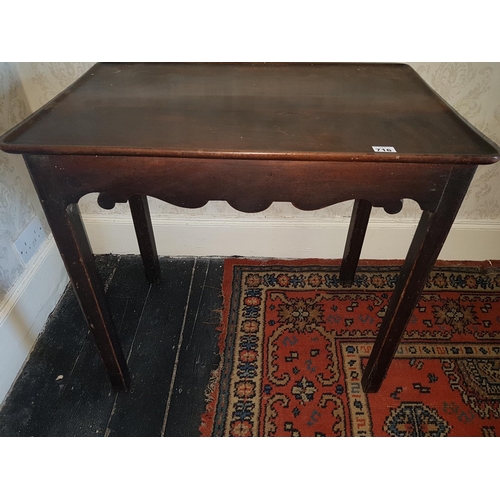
x: 297, y: 111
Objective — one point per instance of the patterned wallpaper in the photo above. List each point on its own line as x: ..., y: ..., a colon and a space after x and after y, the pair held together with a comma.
x: 18, y: 200
x: 473, y: 89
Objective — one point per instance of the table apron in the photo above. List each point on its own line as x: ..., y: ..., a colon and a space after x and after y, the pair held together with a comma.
x: 247, y: 185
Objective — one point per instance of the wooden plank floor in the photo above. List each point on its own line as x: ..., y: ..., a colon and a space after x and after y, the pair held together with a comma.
x: 169, y: 335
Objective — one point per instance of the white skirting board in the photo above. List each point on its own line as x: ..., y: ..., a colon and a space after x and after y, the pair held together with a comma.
x: 28, y: 305
x: 26, y: 308
x: 286, y: 238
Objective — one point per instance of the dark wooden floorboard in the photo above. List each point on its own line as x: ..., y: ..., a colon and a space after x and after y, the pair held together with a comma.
x: 169, y: 335
x: 87, y: 401
x: 199, y: 352
x: 31, y: 404
x: 141, y: 411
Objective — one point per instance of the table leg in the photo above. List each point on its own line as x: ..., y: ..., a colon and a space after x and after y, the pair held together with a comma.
x: 71, y: 239
x: 429, y: 238
x: 355, y: 238
x: 145, y: 237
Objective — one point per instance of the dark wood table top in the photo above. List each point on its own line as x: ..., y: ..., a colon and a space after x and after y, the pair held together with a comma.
x: 271, y: 111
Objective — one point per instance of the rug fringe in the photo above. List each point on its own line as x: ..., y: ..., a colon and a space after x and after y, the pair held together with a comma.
x: 207, y: 419
x: 214, y: 379
x: 211, y: 391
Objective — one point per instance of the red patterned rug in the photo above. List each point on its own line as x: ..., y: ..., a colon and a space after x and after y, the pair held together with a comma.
x: 294, y: 343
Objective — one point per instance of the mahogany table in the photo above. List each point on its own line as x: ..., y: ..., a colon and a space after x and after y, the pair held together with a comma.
x: 250, y: 134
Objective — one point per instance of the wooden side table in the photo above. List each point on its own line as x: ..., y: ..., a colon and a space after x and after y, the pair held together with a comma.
x: 250, y: 134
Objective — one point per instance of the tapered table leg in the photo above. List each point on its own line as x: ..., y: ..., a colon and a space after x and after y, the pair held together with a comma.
x: 145, y: 237
x: 427, y: 242
x: 71, y: 239
x: 355, y: 237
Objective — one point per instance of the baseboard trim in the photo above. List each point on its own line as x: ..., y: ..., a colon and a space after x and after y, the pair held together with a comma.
x: 25, y: 310
x: 252, y: 236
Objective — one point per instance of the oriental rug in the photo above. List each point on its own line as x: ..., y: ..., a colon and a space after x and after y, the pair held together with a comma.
x: 294, y: 344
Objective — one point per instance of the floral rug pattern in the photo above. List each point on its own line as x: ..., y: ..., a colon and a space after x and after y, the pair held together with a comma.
x: 294, y: 344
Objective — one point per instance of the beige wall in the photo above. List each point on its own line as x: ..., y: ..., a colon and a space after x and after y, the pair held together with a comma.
x: 473, y: 89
